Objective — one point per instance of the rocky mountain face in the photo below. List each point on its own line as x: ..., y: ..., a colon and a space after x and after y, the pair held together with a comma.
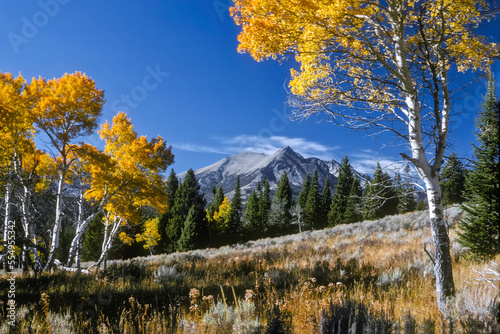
x: 253, y: 167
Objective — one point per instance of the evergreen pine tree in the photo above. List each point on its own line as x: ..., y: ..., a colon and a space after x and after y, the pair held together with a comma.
x: 265, y: 205
x: 283, y: 197
x: 399, y: 186
x: 253, y: 221
x: 326, y: 200
x: 353, y: 211
x: 453, y: 181
x: 283, y: 190
x: 92, y: 239
x: 405, y: 191
x: 480, y: 230
x: 312, y: 210
x: 189, y: 234
x: 258, y: 189
x: 340, y: 198
x: 172, y: 186
x: 219, y: 197
x: 212, y: 207
x: 278, y: 216
x: 380, y: 197
x: 214, y: 195
x: 188, y: 194
x: 356, y: 188
x: 365, y: 205
x: 421, y: 205
x: 371, y: 200
x: 302, y: 199
x: 165, y: 244
x: 234, y: 225
x: 390, y: 197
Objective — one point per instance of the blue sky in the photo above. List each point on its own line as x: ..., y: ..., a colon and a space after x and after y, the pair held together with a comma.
x: 172, y: 66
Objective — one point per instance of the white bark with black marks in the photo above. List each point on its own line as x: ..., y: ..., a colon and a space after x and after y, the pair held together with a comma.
x: 56, y: 231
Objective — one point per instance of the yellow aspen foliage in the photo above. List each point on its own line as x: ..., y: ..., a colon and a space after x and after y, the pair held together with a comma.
x: 16, y: 123
x: 38, y: 166
x: 125, y: 176
x: 219, y: 220
x: 125, y: 238
x: 79, y: 170
x: 66, y: 107
x: 357, y: 38
x: 150, y: 234
x: 130, y: 166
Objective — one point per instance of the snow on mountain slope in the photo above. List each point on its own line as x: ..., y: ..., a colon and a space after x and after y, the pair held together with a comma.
x: 253, y: 167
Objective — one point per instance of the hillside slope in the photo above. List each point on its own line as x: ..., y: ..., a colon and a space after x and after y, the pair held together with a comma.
x: 373, y: 273
x: 388, y: 254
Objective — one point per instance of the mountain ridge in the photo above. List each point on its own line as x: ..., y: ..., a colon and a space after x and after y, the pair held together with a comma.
x: 252, y: 167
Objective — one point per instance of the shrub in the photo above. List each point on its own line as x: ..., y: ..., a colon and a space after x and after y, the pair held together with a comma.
x: 352, y: 317
x: 279, y: 322
x: 168, y: 275
x: 220, y: 318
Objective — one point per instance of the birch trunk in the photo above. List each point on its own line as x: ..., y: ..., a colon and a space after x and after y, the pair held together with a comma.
x: 78, y: 256
x: 443, y: 264
x: 74, y: 254
x: 28, y: 245
x: 7, y: 198
x: 108, y: 239
x: 58, y: 221
x: 74, y: 251
x: 26, y: 229
x: 80, y: 229
x: 430, y: 175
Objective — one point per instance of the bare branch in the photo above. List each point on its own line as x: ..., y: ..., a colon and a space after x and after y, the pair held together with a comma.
x: 490, y: 275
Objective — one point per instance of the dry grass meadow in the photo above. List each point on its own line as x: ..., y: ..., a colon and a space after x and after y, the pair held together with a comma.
x: 369, y: 277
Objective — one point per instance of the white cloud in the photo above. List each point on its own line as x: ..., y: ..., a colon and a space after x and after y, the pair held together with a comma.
x: 269, y: 145
x: 199, y: 148
x: 260, y: 144
x: 365, y: 161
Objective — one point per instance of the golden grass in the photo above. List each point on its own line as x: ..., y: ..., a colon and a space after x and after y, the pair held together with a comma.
x: 379, y: 264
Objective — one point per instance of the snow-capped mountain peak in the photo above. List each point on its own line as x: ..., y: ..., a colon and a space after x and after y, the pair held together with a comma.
x: 252, y: 167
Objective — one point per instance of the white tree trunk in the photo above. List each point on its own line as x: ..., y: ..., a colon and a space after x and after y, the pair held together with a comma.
x: 443, y: 264
x: 108, y: 238
x: 57, y: 222
x: 74, y: 251
x: 26, y: 228
x: 78, y: 255
x: 74, y: 254
x: 28, y: 245
x: 80, y: 229
x: 7, y: 199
